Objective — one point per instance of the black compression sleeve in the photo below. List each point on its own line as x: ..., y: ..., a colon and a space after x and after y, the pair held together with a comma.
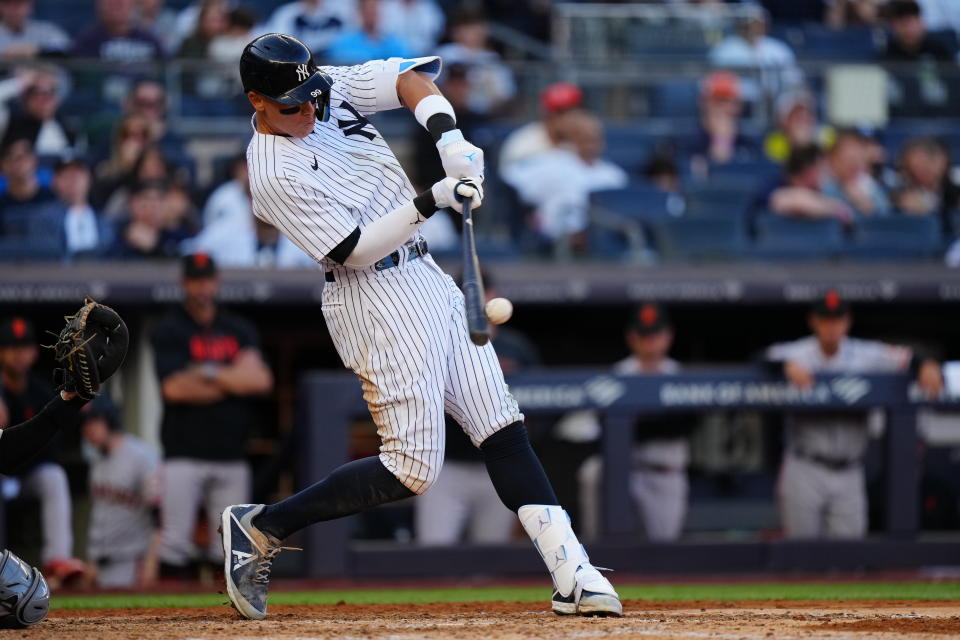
x: 342, y: 251
x: 425, y: 203
x: 440, y: 123
x: 350, y: 488
x: 20, y: 442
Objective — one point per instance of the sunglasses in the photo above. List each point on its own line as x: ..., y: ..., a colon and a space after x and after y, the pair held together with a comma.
x: 321, y: 107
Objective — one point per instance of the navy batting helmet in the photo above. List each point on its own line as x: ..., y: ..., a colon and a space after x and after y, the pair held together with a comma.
x: 281, y: 68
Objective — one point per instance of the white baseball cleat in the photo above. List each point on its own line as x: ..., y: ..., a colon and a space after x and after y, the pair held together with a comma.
x: 592, y: 595
x: 578, y: 588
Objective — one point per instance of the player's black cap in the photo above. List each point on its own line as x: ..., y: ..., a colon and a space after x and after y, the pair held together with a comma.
x: 199, y: 265
x: 830, y: 305
x: 17, y: 331
x: 648, y: 319
x: 102, y: 407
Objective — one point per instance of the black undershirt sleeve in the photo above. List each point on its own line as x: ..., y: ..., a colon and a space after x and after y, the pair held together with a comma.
x: 342, y: 251
x: 21, y: 442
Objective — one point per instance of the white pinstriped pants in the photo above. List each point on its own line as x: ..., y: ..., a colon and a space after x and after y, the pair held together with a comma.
x: 403, y: 332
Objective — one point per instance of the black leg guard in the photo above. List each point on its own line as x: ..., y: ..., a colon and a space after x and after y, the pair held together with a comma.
x: 351, y: 488
x: 514, y: 468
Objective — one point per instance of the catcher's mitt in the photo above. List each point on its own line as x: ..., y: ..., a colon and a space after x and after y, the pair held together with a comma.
x: 91, y: 348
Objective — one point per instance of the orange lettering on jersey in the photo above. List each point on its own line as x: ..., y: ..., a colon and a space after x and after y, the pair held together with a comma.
x: 19, y: 328
x: 213, y: 348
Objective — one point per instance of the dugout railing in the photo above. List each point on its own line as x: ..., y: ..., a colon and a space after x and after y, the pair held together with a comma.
x: 330, y: 402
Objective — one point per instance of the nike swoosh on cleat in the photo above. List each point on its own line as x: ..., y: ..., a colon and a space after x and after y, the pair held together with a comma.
x: 242, y: 530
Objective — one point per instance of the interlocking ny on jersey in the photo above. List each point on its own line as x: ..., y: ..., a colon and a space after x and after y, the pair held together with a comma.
x: 318, y: 189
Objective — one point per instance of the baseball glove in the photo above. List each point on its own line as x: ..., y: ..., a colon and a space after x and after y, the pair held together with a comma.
x: 90, y: 349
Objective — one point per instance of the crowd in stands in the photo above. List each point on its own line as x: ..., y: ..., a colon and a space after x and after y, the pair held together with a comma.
x: 116, y: 180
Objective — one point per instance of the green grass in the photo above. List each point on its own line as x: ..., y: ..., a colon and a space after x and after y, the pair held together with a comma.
x: 679, y: 592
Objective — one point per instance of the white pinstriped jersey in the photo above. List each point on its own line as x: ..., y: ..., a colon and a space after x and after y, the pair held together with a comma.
x: 401, y: 329
x: 316, y: 190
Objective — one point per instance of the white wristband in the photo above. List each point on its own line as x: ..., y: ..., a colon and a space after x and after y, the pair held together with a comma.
x: 432, y: 105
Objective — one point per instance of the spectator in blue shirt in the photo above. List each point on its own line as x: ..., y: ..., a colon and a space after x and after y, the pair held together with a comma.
x: 87, y: 234
x: 116, y: 37
x: 144, y: 235
x: 799, y: 192
x: 316, y: 23
x: 847, y: 177
x: 22, y: 37
x: 31, y: 221
x: 369, y: 41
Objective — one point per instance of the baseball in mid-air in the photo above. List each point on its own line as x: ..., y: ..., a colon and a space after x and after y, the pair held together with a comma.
x: 498, y: 310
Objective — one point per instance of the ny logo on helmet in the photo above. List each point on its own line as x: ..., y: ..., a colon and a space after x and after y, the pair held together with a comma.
x: 302, y: 73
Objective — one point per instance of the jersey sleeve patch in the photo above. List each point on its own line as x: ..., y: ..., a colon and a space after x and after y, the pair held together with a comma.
x: 430, y: 65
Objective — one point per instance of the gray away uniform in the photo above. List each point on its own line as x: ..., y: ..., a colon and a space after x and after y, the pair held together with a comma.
x: 822, y: 490
x: 125, y: 487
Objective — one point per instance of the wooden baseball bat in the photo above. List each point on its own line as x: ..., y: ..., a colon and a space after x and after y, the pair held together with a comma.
x: 473, y: 281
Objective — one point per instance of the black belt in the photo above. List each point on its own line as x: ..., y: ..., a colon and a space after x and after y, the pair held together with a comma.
x: 415, y: 250
x: 834, y: 464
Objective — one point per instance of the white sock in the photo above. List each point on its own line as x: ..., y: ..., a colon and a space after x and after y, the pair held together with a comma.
x: 549, y: 528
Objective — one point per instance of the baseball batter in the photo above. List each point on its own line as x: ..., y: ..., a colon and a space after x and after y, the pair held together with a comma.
x: 324, y: 176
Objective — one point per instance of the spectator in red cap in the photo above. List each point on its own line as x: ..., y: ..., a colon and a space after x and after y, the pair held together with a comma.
x: 822, y: 490
x: 720, y: 140
x: 557, y: 102
x: 557, y: 184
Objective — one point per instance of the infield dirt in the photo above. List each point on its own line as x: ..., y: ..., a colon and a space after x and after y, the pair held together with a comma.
x: 893, y: 619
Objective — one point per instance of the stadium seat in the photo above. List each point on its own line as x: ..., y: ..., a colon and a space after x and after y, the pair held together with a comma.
x: 781, y: 238
x: 743, y: 174
x: 850, y: 44
x: 896, y: 237
x: 629, y: 147
x: 32, y: 233
x: 660, y: 40
x: 720, y: 197
x: 642, y: 203
x: 675, y: 99
x: 686, y: 238
x: 608, y: 244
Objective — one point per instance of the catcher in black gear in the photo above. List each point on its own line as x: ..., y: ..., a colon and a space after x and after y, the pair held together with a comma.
x: 89, y: 349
